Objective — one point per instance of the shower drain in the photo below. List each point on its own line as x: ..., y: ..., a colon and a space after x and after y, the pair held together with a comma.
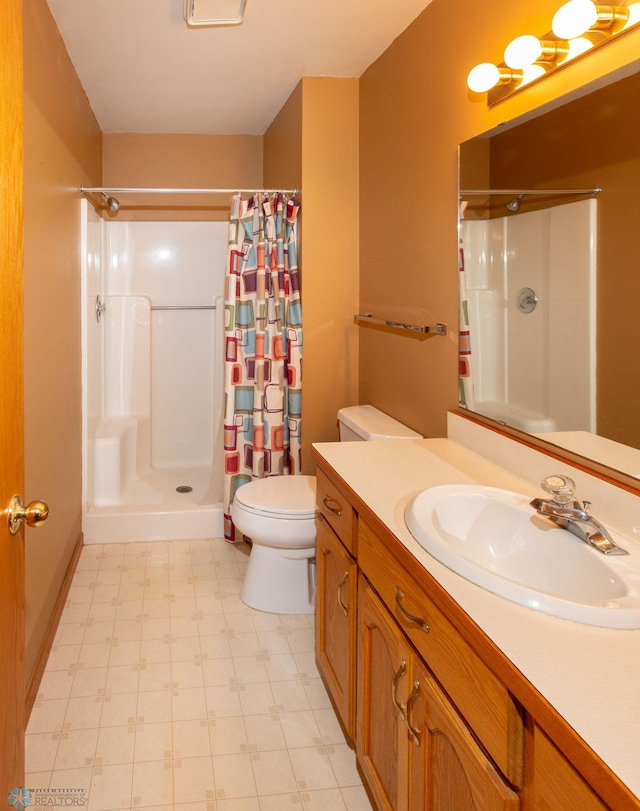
x: 184, y: 488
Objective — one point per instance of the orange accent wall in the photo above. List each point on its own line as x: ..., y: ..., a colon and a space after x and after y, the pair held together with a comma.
x: 62, y: 150
x: 313, y: 144
x: 180, y: 161
x: 414, y: 111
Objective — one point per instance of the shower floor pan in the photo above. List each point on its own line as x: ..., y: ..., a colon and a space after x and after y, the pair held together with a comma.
x: 151, y: 508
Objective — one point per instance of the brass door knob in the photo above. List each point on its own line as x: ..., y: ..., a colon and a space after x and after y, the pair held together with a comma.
x: 34, y: 514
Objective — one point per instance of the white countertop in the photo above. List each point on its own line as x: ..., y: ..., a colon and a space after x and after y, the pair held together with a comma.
x: 590, y: 675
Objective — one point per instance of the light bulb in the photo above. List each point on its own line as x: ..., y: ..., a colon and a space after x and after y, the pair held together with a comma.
x: 574, y: 18
x: 578, y: 46
x: 634, y: 14
x: 531, y: 72
x: 523, y: 51
x: 483, y: 77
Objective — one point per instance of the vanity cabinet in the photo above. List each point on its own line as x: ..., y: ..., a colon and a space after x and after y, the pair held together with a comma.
x: 414, y: 749
x: 556, y: 784
x: 483, y: 701
x: 336, y: 599
x: 440, y: 718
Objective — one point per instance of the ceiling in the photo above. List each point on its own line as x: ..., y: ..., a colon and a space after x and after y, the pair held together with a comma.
x: 145, y: 71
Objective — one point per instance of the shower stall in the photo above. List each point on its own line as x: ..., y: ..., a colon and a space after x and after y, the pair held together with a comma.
x: 531, y: 289
x: 152, y: 331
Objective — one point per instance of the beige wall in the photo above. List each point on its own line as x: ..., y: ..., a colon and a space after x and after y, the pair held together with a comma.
x: 180, y: 161
x: 415, y: 109
x: 322, y: 117
x: 62, y: 152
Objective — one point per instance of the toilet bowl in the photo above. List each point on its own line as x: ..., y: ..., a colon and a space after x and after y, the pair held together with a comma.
x: 278, y: 514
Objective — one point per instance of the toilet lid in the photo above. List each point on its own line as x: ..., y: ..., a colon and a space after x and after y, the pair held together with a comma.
x: 289, y: 496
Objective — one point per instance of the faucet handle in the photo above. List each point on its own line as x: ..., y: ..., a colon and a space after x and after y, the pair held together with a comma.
x: 561, y: 488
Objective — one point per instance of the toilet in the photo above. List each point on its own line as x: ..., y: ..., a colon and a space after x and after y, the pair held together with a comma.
x: 278, y: 514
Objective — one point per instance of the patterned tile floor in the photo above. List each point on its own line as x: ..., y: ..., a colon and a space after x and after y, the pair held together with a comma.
x: 164, y: 691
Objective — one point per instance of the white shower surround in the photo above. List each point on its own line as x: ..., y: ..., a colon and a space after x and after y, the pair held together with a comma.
x: 535, y: 371
x: 152, y: 379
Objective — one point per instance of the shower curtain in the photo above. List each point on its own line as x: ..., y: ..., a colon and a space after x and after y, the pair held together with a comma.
x: 465, y: 379
x: 263, y: 345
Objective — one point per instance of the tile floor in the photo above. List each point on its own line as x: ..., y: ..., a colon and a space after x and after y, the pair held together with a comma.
x: 164, y: 691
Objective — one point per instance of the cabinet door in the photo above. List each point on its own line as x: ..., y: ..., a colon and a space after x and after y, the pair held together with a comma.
x: 383, y: 663
x: 448, y: 769
x: 336, y: 613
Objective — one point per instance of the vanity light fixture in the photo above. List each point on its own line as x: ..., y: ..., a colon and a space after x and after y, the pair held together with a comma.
x: 577, y: 26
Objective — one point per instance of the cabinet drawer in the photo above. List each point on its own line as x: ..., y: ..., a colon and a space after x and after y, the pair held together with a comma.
x: 482, y: 700
x: 337, y: 510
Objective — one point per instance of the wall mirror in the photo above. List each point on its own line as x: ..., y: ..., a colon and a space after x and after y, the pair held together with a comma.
x: 553, y: 278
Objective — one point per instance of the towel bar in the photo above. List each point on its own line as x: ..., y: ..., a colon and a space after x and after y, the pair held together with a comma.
x: 368, y: 318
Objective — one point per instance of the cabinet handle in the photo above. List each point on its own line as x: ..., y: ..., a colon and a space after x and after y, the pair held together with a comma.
x: 413, y: 732
x: 418, y: 620
x: 343, y: 582
x: 328, y: 502
x: 394, y: 689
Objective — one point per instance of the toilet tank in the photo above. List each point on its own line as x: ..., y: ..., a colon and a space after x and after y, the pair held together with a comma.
x: 366, y: 423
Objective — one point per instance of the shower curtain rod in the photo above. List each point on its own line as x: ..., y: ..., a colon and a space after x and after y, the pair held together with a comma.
x: 105, y: 189
x: 593, y: 190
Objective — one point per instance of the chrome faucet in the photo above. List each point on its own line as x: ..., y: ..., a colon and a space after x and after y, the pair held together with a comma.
x: 564, y: 509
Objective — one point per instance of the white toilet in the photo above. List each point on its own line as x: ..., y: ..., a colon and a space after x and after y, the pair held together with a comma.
x: 278, y: 514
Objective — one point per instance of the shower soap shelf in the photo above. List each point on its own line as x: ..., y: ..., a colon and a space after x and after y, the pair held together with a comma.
x: 399, y: 326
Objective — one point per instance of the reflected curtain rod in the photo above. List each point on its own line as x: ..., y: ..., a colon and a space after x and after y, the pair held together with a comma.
x: 105, y: 189
x: 595, y: 190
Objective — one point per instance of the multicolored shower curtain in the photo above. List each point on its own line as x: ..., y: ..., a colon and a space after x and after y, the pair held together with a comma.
x: 263, y: 345
x: 465, y: 378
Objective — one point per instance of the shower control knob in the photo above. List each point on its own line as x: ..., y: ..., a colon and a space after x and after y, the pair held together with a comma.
x: 33, y: 515
x: 527, y: 300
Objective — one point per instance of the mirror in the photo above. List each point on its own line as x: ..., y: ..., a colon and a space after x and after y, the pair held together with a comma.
x: 590, y: 350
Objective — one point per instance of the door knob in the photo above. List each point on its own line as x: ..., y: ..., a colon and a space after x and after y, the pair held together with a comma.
x: 34, y: 514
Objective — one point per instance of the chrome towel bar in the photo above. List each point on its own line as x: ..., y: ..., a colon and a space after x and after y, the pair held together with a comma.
x: 368, y: 318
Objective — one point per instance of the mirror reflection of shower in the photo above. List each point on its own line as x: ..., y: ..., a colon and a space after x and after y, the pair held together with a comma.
x: 548, y: 258
x: 514, y: 205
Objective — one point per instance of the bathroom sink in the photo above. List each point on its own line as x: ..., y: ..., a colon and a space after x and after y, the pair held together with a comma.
x: 493, y: 538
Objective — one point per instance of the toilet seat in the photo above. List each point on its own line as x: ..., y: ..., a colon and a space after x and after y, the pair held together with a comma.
x: 291, y: 498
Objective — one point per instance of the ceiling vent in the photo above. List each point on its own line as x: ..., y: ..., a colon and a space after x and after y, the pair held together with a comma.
x: 200, y: 13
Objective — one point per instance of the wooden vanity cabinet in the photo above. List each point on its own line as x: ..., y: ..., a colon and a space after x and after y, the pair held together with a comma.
x: 429, y: 702
x: 482, y: 700
x: 414, y: 749
x: 555, y: 783
x: 336, y: 599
